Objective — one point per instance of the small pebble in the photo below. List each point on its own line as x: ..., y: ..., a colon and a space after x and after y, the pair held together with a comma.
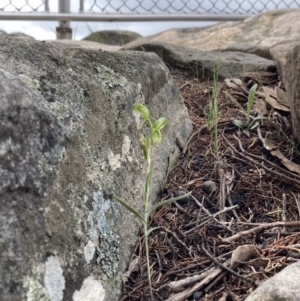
x: 180, y: 193
x: 161, y: 236
x: 169, y: 216
x: 209, y: 186
x: 197, y: 295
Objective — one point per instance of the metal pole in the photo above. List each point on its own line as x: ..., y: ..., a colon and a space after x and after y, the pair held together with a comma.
x: 81, y: 6
x: 47, y: 6
x: 64, y: 30
x: 121, y: 17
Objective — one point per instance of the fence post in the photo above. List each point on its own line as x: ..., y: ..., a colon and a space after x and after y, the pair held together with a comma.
x: 64, y: 30
x: 81, y: 6
x: 47, y: 6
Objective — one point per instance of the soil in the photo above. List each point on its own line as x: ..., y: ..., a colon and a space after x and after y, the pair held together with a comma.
x: 196, y: 242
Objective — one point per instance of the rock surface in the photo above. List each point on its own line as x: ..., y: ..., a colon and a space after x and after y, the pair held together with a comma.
x: 284, y: 286
x: 113, y: 37
x: 292, y: 75
x: 242, y: 46
x: 253, y: 35
x: 83, y: 45
x: 286, y: 55
x: 68, y: 141
x: 204, y: 63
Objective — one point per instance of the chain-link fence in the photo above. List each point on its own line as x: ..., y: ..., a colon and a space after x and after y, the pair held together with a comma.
x: 16, y: 6
x: 165, y: 8
x: 187, y: 6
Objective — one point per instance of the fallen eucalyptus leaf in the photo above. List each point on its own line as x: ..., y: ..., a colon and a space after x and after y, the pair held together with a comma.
x: 235, y: 84
x: 260, y: 107
x: 271, y: 99
x: 282, y: 97
x: 270, y: 146
x: 244, y: 253
x: 133, y: 267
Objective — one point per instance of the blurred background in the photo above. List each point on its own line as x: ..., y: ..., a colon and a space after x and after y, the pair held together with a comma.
x: 166, y: 14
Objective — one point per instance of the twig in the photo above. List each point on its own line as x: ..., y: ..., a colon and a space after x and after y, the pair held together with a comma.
x: 297, y: 200
x: 209, y: 214
x: 280, y: 175
x: 226, y: 209
x: 283, y: 216
x: 177, y: 285
x: 132, y: 292
x: 185, y: 294
x: 184, y: 85
x: 260, y: 228
x: 181, y: 209
x: 222, y: 266
x: 228, y: 188
x: 202, y: 128
x: 192, y: 266
x: 213, y: 283
x: 274, y: 165
x: 159, y: 260
x: 175, y: 236
x: 266, y: 161
x: 222, y: 195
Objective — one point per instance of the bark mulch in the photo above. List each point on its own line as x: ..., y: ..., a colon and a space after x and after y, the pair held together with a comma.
x: 242, y: 226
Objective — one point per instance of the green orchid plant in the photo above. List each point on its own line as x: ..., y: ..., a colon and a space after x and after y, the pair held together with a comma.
x: 252, y: 122
x: 154, y: 135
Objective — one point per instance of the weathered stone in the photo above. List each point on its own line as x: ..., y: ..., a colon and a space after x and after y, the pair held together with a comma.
x: 83, y: 44
x: 113, y: 37
x: 68, y: 141
x: 17, y: 35
x: 278, y: 53
x: 204, y: 63
x: 253, y: 35
x: 292, y: 75
x: 286, y: 56
x: 209, y: 186
x: 284, y: 286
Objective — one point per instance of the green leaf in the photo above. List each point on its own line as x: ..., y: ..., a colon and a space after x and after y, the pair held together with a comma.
x: 238, y: 123
x: 148, y: 183
x: 251, y: 97
x: 142, y: 110
x: 256, y: 121
x: 168, y: 201
x: 156, y: 136
x: 129, y: 208
x: 258, y: 117
x: 254, y: 126
x: 159, y: 124
x: 151, y: 230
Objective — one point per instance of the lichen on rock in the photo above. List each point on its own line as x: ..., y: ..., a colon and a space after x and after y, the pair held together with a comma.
x: 108, y: 253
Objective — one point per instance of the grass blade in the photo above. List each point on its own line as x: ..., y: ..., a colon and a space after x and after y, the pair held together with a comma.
x: 129, y: 208
x: 168, y: 201
x: 151, y: 230
x: 148, y: 184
